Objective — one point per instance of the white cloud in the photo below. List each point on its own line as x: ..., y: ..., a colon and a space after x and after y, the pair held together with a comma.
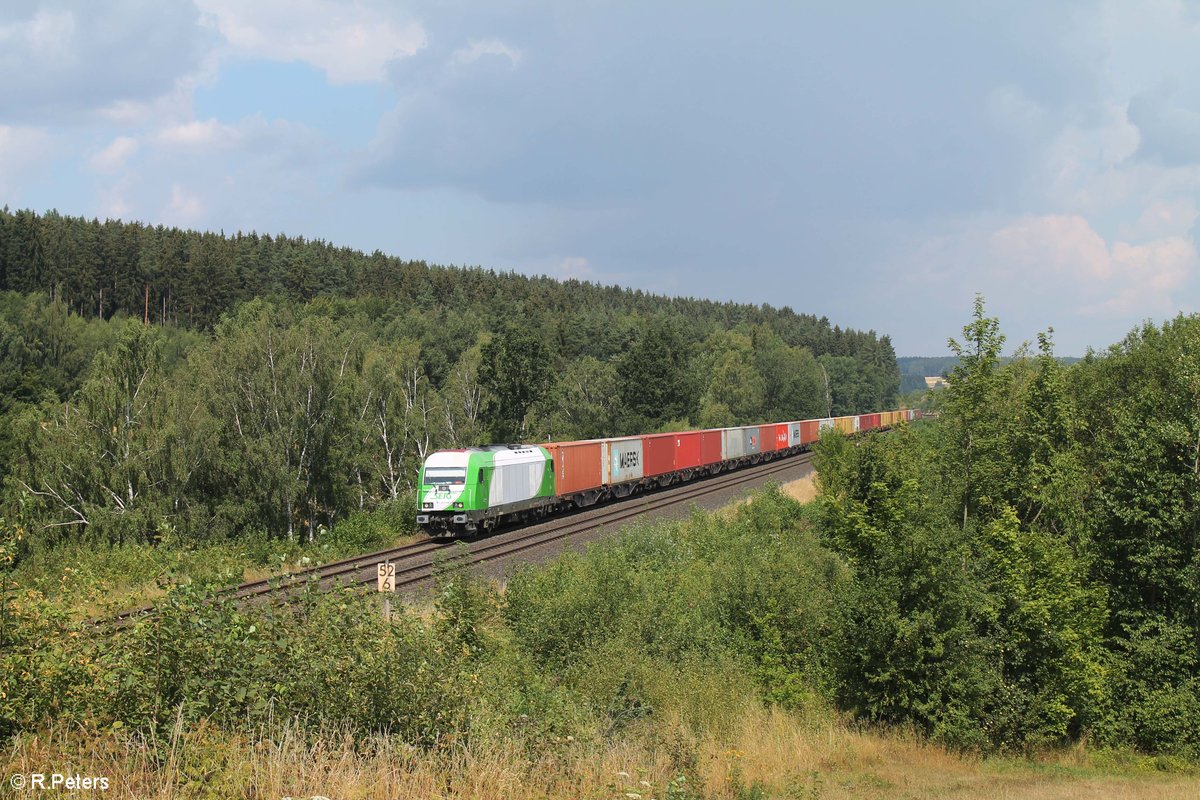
x: 349, y: 42
x: 46, y: 34
x: 1148, y: 275
x: 1052, y: 269
x: 23, y: 150
x: 199, y: 134
x: 1061, y: 244
x: 67, y: 65
x: 184, y: 209
x: 575, y: 267
x: 486, y: 47
x: 114, y: 157
x: 1162, y: 218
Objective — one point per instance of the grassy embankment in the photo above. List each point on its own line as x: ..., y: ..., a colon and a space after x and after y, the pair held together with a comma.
x: 682, y: 660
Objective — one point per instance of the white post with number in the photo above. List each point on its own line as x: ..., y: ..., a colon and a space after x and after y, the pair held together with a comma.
x: 385, y: 582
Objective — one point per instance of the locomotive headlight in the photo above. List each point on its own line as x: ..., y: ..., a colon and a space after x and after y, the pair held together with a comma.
x: 458, y: 505
x: 426, y: 505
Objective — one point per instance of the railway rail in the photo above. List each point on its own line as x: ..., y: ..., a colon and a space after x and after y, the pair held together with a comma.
x: 417, y: 562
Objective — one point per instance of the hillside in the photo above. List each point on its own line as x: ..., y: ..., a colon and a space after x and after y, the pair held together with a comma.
x: 167, y: 385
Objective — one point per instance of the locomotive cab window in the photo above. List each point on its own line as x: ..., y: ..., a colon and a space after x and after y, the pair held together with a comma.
x: 455, y: 476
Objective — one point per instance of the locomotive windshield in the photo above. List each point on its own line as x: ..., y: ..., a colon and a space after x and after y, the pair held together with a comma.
x: 455, y: 476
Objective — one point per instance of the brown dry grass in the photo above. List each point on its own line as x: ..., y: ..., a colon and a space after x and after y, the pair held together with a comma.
x: 785, y: 755
x: 803, y: 490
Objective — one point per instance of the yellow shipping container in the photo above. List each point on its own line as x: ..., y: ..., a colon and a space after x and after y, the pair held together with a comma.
x: 844, y: 424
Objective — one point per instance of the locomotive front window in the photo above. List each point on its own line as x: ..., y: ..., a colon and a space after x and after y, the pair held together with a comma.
x: 455, y: 476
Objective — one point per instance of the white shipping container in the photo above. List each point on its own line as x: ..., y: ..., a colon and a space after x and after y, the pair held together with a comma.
x: 733, y: 444
x: 625, y: 460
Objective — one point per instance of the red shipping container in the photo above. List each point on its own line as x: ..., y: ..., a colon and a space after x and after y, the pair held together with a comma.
x: 659, y: 454
x: 687, y: 450
x: 810, y: 431
x: 766, y: 433
x: 578, y: 466
x: 781, y: 436
x: 869, y: 422
x: 710, y: 447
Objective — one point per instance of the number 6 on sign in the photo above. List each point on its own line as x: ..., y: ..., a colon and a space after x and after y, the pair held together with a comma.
x: 386, y: 577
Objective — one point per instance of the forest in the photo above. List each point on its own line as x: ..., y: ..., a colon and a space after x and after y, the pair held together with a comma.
x: 168, y: 385
x: 1003, y: 598
x: 1027, y: 568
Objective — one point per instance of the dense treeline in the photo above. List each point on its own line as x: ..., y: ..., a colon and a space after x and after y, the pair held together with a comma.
x: 158, y: 384
x: 1027, y: 571
x: 1020, y: 573
x: 190, y: 279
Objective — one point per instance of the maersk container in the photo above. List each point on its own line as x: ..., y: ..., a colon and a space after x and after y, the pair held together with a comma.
x: 733, y: 444
x: 578, y: 466
x: 625, y: 460
x: 810, y: 431
x: 710, y: 447
x: 752, y: 437
x: 689, y: 448
x: 660, y: 454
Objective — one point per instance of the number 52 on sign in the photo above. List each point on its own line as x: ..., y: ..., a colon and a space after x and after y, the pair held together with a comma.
x: 385, y: 578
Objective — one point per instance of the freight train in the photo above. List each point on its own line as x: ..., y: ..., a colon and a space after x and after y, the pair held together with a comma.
x: 477, y: 488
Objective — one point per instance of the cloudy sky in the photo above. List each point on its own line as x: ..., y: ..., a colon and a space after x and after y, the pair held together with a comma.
x: 877, y: 163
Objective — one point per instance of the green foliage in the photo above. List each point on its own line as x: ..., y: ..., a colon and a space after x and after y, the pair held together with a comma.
x: 515, y: 371
x: 687, y: 611
x: 283, y: 384
x: 1026, y: 570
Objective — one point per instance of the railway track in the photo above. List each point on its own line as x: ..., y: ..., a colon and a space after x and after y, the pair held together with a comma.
x: 415, y: 567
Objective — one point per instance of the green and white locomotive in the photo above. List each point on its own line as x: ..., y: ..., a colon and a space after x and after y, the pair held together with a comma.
x: 478, y: 487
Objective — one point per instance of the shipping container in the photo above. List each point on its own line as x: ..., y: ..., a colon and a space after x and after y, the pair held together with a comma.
x: 869, y: 422
x: 766, y: 435
x: 795, y: 438
x: 753, y: 440
x: 782, y: 441
x: 659, y: 450
x: 689, y: 450
x: 733, y: 444
x: 845, y: 424
x: 827, y: 424
x: 578, y: 466
x: 710, y: 447
x: 624, y: 460
x: 810, y: 431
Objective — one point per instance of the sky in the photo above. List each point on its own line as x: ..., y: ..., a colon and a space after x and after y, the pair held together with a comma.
x: 875, y: 163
